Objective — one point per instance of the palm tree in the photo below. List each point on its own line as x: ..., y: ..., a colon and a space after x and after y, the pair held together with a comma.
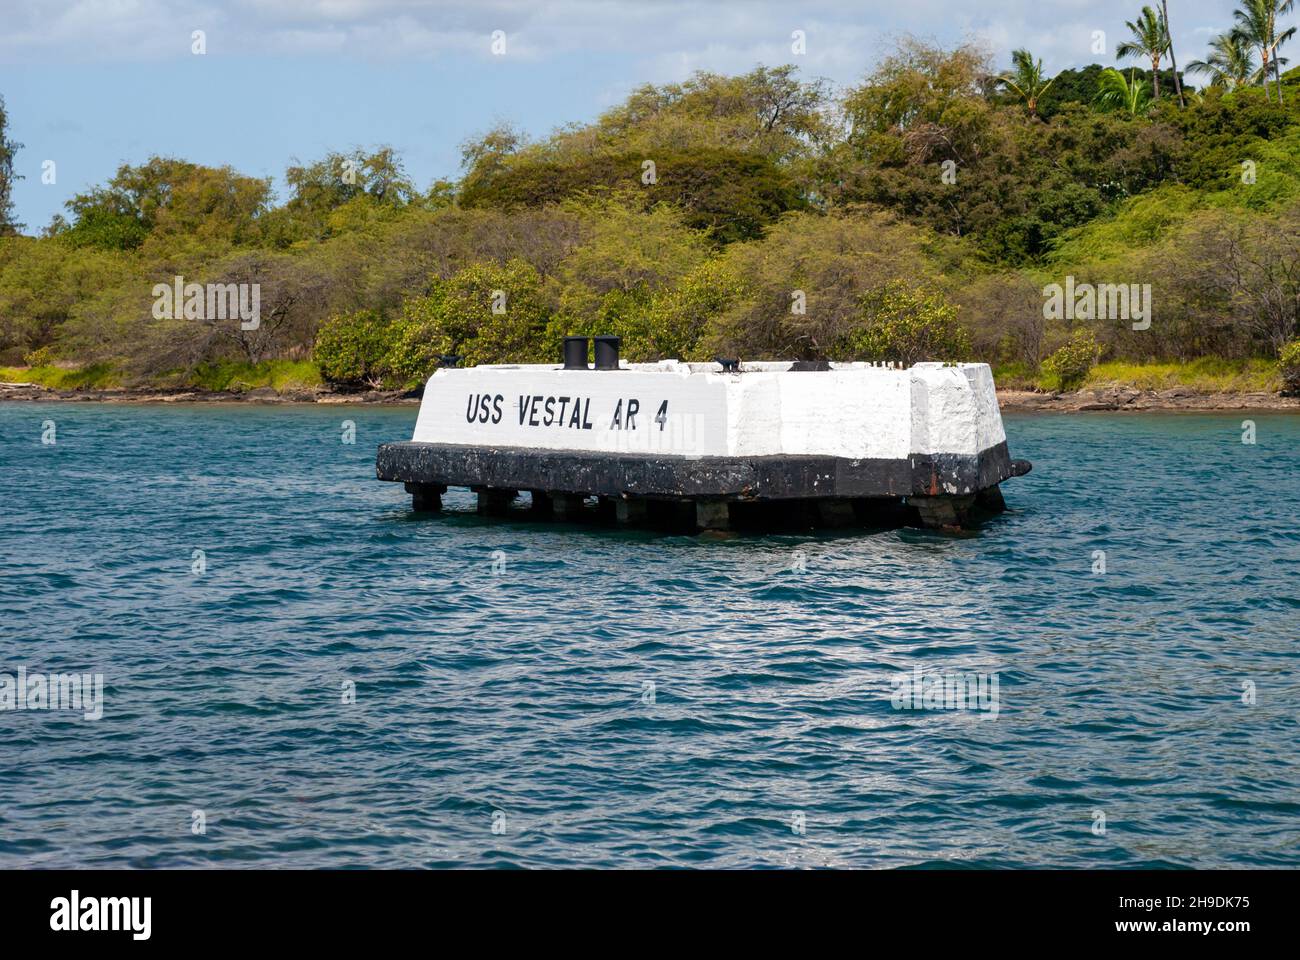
x: 1278, y: 40
x: 1116, y: 92
x: 1230, y: 62
x: 1026, y: 80
x: 1150, y: 40
x: 1173, y: 62
x: 1257, y: 23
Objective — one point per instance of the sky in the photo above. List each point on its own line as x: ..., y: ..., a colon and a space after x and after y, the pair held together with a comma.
x: 92, y: 84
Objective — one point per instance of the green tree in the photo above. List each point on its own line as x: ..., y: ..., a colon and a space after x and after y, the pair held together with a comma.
x: 610, y: 283
x: 485, y: 313
x: 1117, y: 93
x: 352, y: 349
x: 483, y: 155
x: 919, y: 97
x: 1071, y: 86
x: 769, y: 111
x: 1280, y: 7
x: 1257, y: 24
x: 798, y: 293
x: 174, y: 202
x: 906, y: 323
x: 728, y: 194
x: 681, y: 316
x: 339, y: 193
x: 7, y: 176
x: 1149, y: 39
x: 1068, y: 366
x: 1230, y: 63
x: 1026, y: 79
x: 1289, y: 362
x: 44, y: 284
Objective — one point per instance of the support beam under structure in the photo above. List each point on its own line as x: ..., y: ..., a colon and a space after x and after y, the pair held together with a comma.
x: 494, y: 502
x: 568, y: 506
x: 989, y: 500
x: 630, y: 511
x: 712, y: 515
x: 943, y: 513
x: 836, y: 513
x: 426, y: 497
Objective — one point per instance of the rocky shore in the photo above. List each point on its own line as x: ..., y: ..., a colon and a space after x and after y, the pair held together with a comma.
x: 1127, y: 398
x: 35, y: 392
x: 1110, y: 398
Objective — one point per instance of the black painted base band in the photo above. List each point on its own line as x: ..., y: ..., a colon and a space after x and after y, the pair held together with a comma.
x: 677, y: 477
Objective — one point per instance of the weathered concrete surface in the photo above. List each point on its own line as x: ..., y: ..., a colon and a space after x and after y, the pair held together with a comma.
x: 648, y: 475
x: 943, y: 513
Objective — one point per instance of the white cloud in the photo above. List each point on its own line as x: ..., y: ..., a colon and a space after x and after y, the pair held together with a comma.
x: 662, y: 39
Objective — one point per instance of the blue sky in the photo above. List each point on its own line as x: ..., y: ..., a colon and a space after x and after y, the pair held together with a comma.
x: 91, y: 84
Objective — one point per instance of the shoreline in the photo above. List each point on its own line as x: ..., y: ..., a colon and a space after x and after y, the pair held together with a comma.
x: 1123, y: 399
x: 35, y: 393
x: 1112, y: 398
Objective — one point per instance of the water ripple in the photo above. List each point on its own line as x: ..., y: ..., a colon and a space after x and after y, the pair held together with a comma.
x: 325, y: 679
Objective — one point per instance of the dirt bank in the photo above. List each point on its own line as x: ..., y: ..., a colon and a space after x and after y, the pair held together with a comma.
x: 1019, y: 401
x: 1134, y: 399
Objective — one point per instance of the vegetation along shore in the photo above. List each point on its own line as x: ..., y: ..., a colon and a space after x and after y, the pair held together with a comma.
x: 1108, y: 238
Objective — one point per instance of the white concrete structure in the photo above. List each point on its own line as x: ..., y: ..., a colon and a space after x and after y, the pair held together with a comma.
x: 852, y: 410
x: 841, y: 442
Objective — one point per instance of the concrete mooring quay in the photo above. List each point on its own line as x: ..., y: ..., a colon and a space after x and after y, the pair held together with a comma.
x: 711, y: 446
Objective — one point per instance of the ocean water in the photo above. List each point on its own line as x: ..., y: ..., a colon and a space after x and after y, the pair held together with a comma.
x: 333, y: 682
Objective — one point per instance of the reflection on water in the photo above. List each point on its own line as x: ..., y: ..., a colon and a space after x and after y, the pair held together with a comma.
x: 599, y: 697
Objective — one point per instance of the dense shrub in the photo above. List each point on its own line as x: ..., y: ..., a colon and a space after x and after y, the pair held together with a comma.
x: 352, y: 350
x: 1067, y: 368
x: 40, y: 357
x: 680, y: 317
x: 486, y: 313
x: 908, y: 324
x: 1290, y: 366
x: 619, y: 279
x: 799, y: 292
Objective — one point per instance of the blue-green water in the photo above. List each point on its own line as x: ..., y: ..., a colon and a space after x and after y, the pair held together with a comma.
x: 519, y: 697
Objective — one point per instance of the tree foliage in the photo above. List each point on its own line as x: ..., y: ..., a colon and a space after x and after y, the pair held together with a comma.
x: 8, y: 148
x: 919, y: 213
x: 1070, y: 364
x: 908, y: 324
